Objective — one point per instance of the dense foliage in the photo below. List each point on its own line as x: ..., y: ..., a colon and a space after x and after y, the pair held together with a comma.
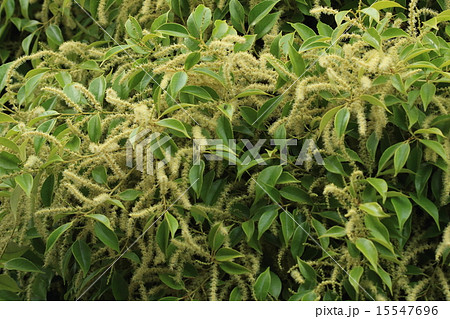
x: 366, y: 81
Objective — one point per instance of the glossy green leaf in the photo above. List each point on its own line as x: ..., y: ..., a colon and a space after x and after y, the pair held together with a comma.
x: 258, y: 12
x: 335, y: 232
x: 435, y: 147
x: 401, y: 155
x: 25, y: 181
x: 266, y: 220
x: 53, y: 237
x: 102, y: 219
x: 196, y: 177
x: 428, y: 206
x: 94, y: 128
x: 403, y: 209
x: 341, y: 121
x: 130, y: 194
x: 172, y: 222
x: 373, y: 209
x: 380, y: 185
x: 355, y: 276
x: 369, y: 251
x: 232, y: 268
x: 175, y: 125
x: 82, y: 254
x: 174, y: 29
x: 262, y: 285
x: 226, y: 254
x: 177, y: 82
x: 198, y: 21
x: 106, y: 236
x: 8, y: 284
x: 237, y: 15
x: 22, y: 264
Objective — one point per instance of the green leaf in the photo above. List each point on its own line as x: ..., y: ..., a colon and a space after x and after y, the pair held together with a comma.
x: 99, y: 175
x: 258, y: 12
x: 431, y: 130
x: 47, y: 190
x: 191, y: 60
x: 373, y: 209
x: 400, y: 157
x: 428, y: 206
x: 265, y: 25
x: 372, y: 37
x: 385, y: 277
x: 177, y: 82
x: 327, y: 117
x: 387, y: 155
x: 237, y: 15
x: 354, y: 277
x: 288, y: 226
x: 266, y: 109
x: 233, y: 269
x: 335, y: 232
x: 216, y: 236
x: 403, y: 209
x: 307, y: 271
x: 266, y: 220
x: 133, y: 28
x: 373, y: 13
x: 119, y: 287
x: 94, y: 128
x: 295, y: 194
x: 369, y: 251
x: 8, y: 161
x: 5, y: 118
x: 102, y: 219
x: 175, y: 125
x: 25, y: 181
x: 298, y: 64
x: 98, y: 87
x: 106, y: 236
x: 303, y: 30
x: 435, y: 147
x: 341, y: 121
x: 375, y: 101
x: 196, y: 177
x: 198, y: 21
x: 378, y: 231
x: 380, y: 5
x: 208, y: 72
x: 8, y: 284
x: 249, y: 228
x: 268, y: 176
x: 174, y: 29
x: 298, y: 240
x: 249, y: 40
x: 333, y: 165
x: 170, y: 282
x: 82, y: 254
x: 22, y: 264
x: 54, y: 34
x: 262, y: 285
x: 197, y: 91
x: 53, y: 237
x: 380, y: 185
x: 225, y: 254
x: 275, y: 285
x: 130, y: 194
x: 172, y: 223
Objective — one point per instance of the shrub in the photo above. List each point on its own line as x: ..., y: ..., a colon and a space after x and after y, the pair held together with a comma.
x: 368, y: 87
